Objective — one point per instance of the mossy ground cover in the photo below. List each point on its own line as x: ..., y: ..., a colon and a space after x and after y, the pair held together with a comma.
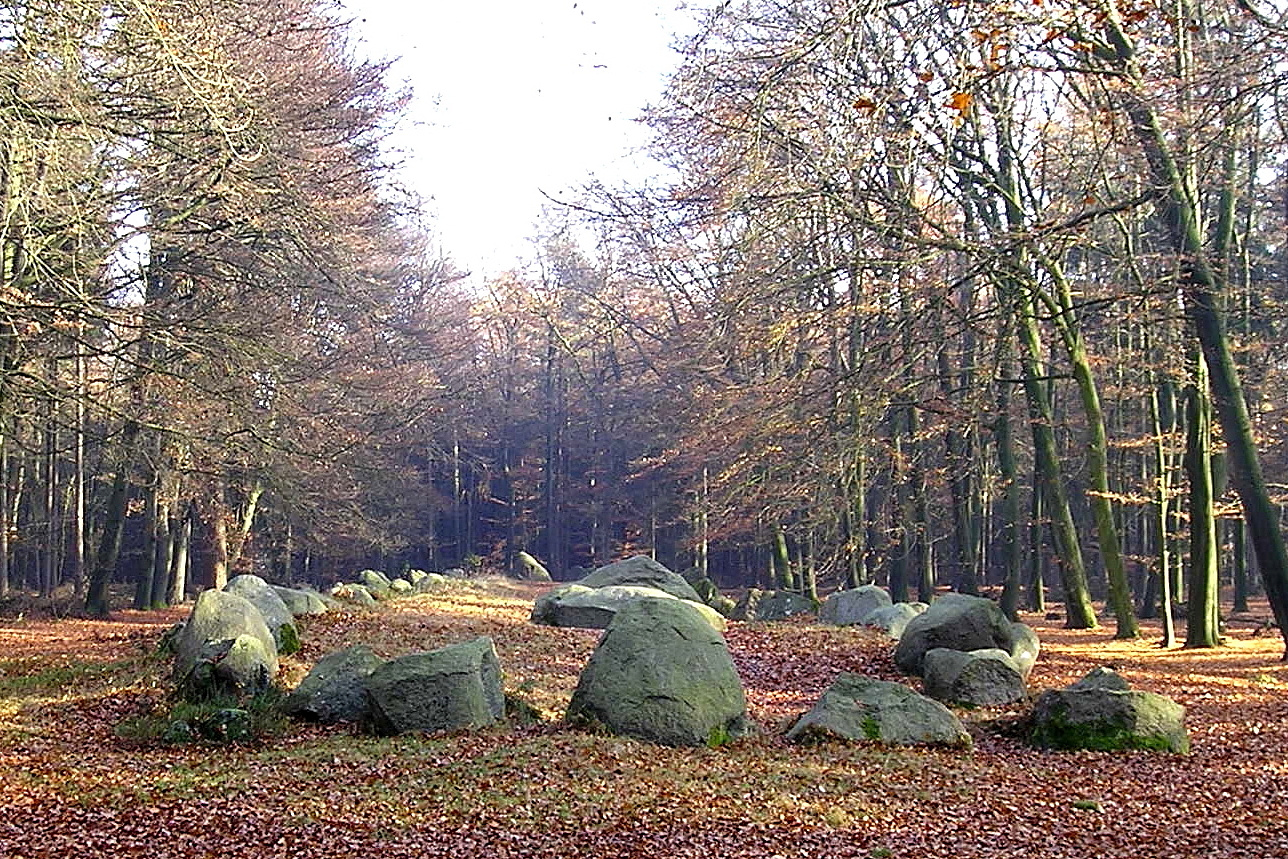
x: 71, y: 785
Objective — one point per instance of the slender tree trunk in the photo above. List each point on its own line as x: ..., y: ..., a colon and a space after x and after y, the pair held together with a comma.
x: 1203, y: 624
x: 97, y: 599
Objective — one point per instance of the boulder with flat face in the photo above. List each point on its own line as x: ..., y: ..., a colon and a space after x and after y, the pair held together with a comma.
x: 301, y: 601
x: 643, y: 571
x: 454, y: 687
x: 1102, y: 713
x: 857, y: 709
x: 594, y: 608
x: 850, y: 607
x: 661, y: 673
x: 334, y: 690
x: 976, y: 678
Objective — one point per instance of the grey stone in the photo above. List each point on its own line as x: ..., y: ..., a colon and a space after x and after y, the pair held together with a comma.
x: 661, y: 673
x: 237, y: 667
x: 858, y: 708
x: 280, y: 620
x: 894, y: 619
x: 400, y: 587
x: 335, y: 689
x: 850, y: 607
x: 454, y: 687
x: 756, y: 604
x: 219, y: 616
x: 641, y: 570
x: 576, y: 605
x: 1103, y: 677
x: 1108, y: 719
x: 300, y: 601
x: 354, y: 595
x: 960, y: 622
x: 376, y: 583
x: 531, y: 569
x: 978, y: 678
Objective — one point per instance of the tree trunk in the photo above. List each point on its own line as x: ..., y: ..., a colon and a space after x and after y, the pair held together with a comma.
x: 1202, y: 627
x: 97, y: 599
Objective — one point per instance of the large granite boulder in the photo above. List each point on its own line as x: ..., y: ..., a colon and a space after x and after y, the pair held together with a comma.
x: 850, y: 607
x: 976, y: 678
x: 756, y: 604
x: 661, y: 673
x: 966, y: 623
x: 860, y: 708
x: 1098, y: 713
x: 641, y: 570
x: 376, y: 583
x: 894, y: 619
x: 594, y: 608
x: 335, y: 689
x: 217, y: 621
x: 300, y: 601
x: 454, y: 687
x: 280, y: 620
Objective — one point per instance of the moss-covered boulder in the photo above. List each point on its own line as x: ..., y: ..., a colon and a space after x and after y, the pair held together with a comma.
x: 280, y: 620
x: 578, y: 606
x: 454, y: 687
x: 217, y: 620
x: 335, y: 689
x: 857, y: 708
x: 661, y: 673
x: 1097, y: 714
x: 852, y: 606
x: 978, y: 678
x: 756, y: 604
x: 966, y: 623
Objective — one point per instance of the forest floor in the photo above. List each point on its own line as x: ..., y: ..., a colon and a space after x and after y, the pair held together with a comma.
x: 70, y: 786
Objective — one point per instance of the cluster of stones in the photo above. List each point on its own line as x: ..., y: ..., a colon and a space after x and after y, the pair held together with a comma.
x: 662, y: 671
x: 372, y: 586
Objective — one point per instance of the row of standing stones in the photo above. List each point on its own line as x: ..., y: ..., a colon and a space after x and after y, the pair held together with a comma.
x: 662, y: 671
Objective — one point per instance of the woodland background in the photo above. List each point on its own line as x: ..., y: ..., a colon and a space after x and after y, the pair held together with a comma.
x: 971, y: 294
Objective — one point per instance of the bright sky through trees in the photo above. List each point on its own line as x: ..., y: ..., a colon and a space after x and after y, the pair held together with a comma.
x: 517, y: 97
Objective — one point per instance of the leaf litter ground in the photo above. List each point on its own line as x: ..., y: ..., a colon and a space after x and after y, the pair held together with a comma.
x: 70, y: 787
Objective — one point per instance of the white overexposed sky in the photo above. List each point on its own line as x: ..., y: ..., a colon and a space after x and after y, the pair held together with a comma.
x: 516, y: 97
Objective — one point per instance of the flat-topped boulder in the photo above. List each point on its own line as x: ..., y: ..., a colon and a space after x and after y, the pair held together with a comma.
x: 853, y: 606
x: 1101, y: 713
x: 857, y: 709
x: 661, y: 673
x: 334, y: 690
x: 301, y: 601
x: 644, y: 571
x: 576, y: 605
x: 454, y: 687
